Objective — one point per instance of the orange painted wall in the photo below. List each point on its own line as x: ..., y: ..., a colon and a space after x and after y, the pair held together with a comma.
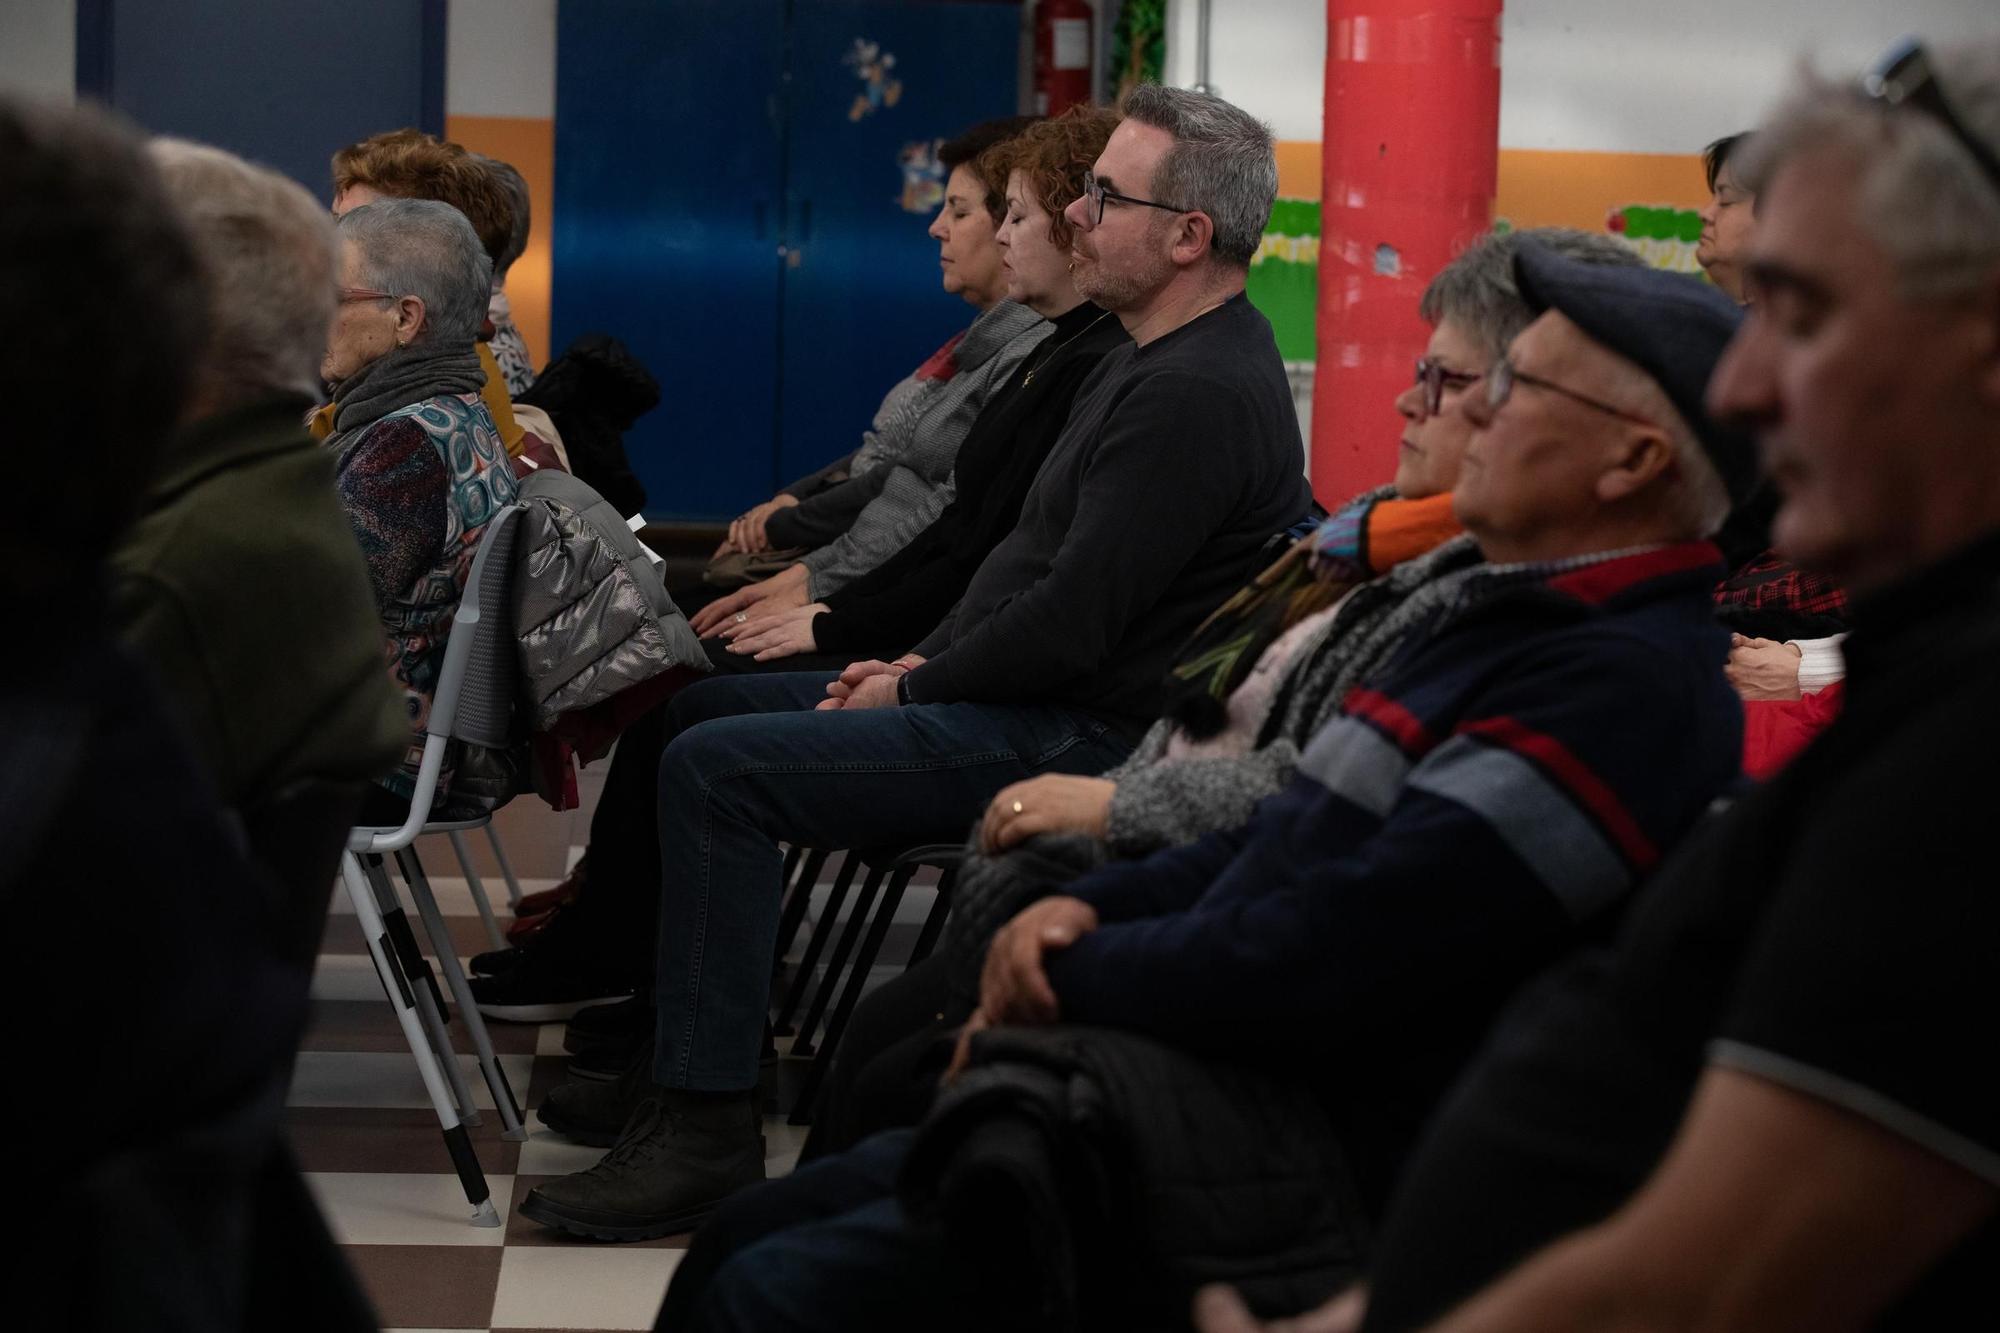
x: 1553, y: 189
x: 530, y: 145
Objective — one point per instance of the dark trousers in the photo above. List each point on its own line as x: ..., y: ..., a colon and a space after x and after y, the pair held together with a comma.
x: 827, y: 1247
x: 749, y: 764
x: 891, y: 1055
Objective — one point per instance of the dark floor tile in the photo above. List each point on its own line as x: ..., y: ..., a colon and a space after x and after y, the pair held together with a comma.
x: 397, y: 1141
x: 370, y: 1025
x: 429, y: 1286
x: 468, y: 934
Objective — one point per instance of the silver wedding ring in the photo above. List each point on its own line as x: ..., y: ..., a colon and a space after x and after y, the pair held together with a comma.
x: 1017, y: 808
x: 742, y: 616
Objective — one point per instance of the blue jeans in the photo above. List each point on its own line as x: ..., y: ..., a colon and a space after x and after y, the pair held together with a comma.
x: 748, y: 764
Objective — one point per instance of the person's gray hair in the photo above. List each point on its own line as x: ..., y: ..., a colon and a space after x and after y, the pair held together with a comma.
x: 1222, y: 164
x: 1477, y: 292
x: 1922, y: 196
x: 422, y: 248
x: 266, y: 252
x: 1696, y: 502
x: 516, y: 189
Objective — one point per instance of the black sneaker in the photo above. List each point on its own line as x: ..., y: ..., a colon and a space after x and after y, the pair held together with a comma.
x: 546, y: 991
x: 594, y: 1111
x: 496, y: 961
x: 681, y: 1155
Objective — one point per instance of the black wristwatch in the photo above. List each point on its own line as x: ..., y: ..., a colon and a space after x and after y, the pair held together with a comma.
x: 903, y: 689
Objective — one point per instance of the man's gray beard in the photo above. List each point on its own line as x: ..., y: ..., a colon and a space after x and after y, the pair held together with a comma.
x: 1120, y: 291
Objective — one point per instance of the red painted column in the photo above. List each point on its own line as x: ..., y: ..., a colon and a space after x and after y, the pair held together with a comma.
x: 1411, y: 150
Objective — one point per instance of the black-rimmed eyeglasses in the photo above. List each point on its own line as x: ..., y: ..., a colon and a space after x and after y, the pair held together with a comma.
x: 1500, y: 382
x: 1903, y: 77
x: 1434, y: 379
x: 1096, y: 192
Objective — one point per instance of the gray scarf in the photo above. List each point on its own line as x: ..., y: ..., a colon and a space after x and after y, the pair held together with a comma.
x: 404, y: 376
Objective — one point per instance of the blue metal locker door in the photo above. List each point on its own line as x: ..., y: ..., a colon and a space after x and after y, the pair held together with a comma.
x: 862, y: 302
x: 282, y: 84
x: 668, y: 171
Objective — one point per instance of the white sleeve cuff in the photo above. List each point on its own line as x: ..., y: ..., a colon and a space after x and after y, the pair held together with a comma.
x: 1820, y: 662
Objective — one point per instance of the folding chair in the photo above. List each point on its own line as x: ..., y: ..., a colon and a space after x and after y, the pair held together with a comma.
x: 474, y: 702
x: 890, y: 869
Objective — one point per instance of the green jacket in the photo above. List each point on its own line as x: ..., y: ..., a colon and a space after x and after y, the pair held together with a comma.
x: 242, y: 586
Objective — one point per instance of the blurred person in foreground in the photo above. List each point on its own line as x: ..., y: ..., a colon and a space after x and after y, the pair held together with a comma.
x: 172, y: 1203
x: 1766, y: 1108
x: 241, y: 584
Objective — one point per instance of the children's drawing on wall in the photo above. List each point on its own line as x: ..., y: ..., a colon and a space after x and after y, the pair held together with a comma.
x: 873, y: 66
x: 1664, y: 237
x: 923, y: 175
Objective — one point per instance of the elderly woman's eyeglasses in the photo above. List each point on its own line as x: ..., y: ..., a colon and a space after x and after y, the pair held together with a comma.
x: 1500, y: 382
x: 1434, y: 379
x: 1096, y: 192
x: 349, y: 295
x: 1903, y: 77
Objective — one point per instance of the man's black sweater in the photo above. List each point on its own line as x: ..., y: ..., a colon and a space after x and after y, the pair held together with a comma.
x: 1180, y: 460
x: 896, y: 604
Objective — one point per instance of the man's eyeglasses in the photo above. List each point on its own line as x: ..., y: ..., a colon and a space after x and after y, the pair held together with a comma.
x: 349, y: 295
x: 1096, y: 192
x: 1434, y: 379
x: 1500, y: 382
x: 1903, y: 77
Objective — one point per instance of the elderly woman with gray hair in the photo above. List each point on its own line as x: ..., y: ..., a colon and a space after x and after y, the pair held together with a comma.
x: 420, y: 468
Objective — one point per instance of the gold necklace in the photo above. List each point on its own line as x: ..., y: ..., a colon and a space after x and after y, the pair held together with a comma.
x: 1029, y: 378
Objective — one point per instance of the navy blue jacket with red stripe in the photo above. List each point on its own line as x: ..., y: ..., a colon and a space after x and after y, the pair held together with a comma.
x: 1474, y: 812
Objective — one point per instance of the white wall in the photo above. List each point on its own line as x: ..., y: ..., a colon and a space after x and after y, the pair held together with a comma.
x: 1673, y: 77
x: 38, y: 48
x: 1267, y: 56
x: 501, y: 58
x: 1639, y: 76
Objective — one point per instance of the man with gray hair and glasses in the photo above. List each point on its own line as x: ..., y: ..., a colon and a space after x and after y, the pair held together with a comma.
x: 1180, y: 460
x: 1773, y: 1105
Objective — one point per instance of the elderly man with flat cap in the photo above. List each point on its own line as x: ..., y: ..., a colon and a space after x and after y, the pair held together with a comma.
x: 1775, y: 1105
x: 1297, y: 993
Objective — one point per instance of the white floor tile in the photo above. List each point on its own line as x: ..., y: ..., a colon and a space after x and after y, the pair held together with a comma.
x: 371, y: 1209
x: 571, y: 1287
x: 548, y: 1154
x: 549, y: 1040
x: 386, y: 1078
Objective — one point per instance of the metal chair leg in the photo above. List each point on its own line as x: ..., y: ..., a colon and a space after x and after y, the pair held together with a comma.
x: 512, y: 1128
x: 927, y: 938
x: 795, y: 994
x: 850, y: 995
x: 857, y: 920
x: 506, y: 866
x: 430, y: 1001
x: 402, y: 999
x: 800, y: 877
x: 479, y: 899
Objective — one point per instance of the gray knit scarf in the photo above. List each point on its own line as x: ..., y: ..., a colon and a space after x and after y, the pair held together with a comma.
x: 399, y: 378
x: 1362, y: 637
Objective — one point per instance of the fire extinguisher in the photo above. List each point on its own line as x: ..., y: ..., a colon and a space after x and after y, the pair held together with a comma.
x: 1062, y: 55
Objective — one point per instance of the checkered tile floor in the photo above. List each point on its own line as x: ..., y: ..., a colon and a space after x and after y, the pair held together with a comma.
x: 369, y: 1144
